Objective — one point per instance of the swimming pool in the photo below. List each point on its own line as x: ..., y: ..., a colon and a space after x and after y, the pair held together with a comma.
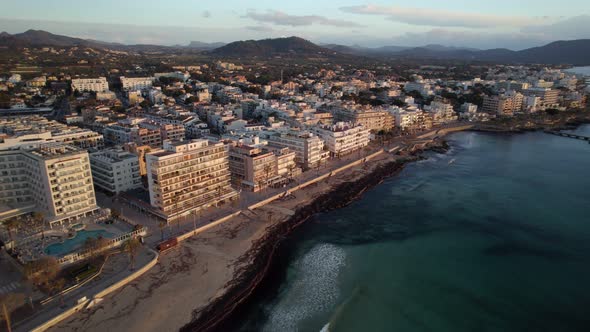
x: 69, y: 245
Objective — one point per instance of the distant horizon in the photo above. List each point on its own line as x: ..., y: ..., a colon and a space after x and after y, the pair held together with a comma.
x: 320, y: 43
x: 481, y: 25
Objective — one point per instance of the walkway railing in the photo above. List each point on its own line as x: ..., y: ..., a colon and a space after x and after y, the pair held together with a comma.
x: 113, y: 243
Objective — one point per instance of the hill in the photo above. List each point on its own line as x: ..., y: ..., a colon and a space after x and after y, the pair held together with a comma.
x: 272, y: 47
x: 204, y: 46
x: 40, y: 38
x: 574, y: 52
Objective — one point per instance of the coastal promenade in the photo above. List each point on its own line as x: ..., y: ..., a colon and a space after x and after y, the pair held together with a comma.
x: 252, y: 206
x: 215, y: 251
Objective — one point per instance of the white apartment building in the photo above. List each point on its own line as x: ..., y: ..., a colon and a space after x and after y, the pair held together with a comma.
x: 54, y: 179
x: 343, y: 138
x: 425, y: 89
x: 412, y: 120
x: 186, y: 177
x: 115, y: 170
x: 136, y: 83
x: 308, y: 148
x: 34, y: 129
x: 441, y: 112
x: 183, y: 76
x: 90, y: 84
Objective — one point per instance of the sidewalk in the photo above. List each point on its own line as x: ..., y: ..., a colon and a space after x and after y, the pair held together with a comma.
x: 117, y: 268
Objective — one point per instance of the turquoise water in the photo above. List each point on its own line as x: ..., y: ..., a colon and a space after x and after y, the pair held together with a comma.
x: 492, y: 236
x: 61, y: 249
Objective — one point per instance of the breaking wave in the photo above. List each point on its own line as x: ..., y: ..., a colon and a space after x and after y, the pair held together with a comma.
x: 315, y: 288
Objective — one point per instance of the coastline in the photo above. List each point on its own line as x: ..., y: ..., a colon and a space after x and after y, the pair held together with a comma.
x: 215, y: 316
x: 234, y: 258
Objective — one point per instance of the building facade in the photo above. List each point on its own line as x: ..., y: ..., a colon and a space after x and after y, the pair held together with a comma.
x: 90, y: 84
x: 115, y: 171
x: 54, y: 179
x: 186, y: 177
x: 308, y: 148
x: 370, y: 119
x: 136, y: 83
x: 343, y: 138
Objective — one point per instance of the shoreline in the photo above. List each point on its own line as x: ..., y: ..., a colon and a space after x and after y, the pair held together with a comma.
x: 234, y: 259
x: 217, y: 315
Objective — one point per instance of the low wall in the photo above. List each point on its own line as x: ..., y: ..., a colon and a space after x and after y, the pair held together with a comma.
x: 314, y: 180
x: 273, y: 198
x: 64, y: 315
x: 119, y: 284
x: 129, y: 278
x: 207, y: 227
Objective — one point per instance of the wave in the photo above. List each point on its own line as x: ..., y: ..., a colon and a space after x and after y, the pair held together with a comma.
x: 314, y: 290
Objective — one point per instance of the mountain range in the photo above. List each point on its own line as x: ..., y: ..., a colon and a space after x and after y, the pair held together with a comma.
x: 574, y: 52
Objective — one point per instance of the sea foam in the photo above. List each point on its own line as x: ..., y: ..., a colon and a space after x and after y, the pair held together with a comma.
x: 313, y: 290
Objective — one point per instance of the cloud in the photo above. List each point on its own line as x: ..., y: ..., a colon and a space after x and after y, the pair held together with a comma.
x: 280, y: 18
x: 442, y: 18
x: 576, y: 27
x: 206, y: 14
x: 472, y: 38
x: 260, y: 28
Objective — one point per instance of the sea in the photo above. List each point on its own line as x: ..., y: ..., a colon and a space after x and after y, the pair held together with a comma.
x: 580, y: 71
x: 492, y: 236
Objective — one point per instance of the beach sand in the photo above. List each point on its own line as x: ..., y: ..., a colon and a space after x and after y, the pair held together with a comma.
x: 188, y: 278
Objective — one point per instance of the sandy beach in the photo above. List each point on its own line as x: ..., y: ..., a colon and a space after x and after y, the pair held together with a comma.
x: 188, y: 279
x: 196, y: 286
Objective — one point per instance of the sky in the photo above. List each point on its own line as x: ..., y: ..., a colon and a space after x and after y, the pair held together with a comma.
x: 514, y: 24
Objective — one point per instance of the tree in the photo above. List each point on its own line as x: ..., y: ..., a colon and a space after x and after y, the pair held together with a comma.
x: 11, y: 225
x: 115, y: 214
x: 161, y: 225
x: 131, y: 248
x: 95, y: 245
x: 267, y: 170
x: 42, y: 271
x: 552, y: 111
x: 291, y: 170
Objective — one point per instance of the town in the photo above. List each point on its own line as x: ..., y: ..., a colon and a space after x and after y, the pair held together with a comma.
x: 111, y: 159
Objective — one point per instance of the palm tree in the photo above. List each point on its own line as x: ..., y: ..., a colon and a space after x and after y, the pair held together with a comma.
x: 131, y: 247
x: 162, y: 224
x: 291, y: 170
x: 267, y: 170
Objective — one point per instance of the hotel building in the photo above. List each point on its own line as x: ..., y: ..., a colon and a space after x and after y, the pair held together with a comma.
x: 54, y: 179
x: 188, y: 176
